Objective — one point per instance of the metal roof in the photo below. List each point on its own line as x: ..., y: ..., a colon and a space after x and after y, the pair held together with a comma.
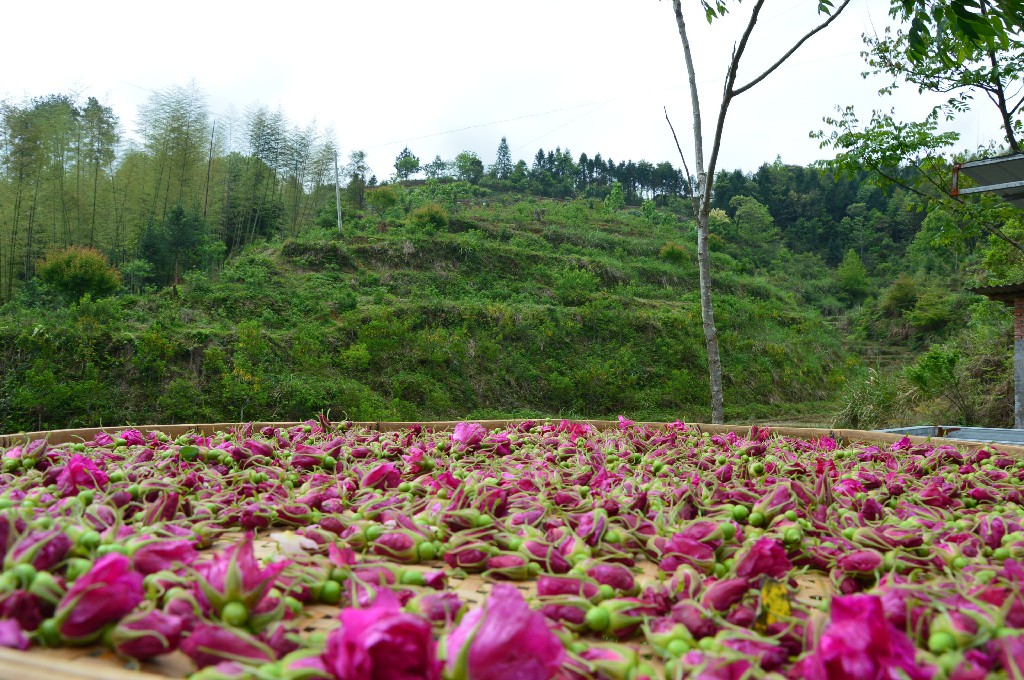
x: 992, y: 435
x: 1003, y: 176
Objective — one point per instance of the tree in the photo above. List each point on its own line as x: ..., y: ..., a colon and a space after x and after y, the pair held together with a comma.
x: 754, y: 227
x: 173, y: 246
x: 469, y: 167
x: 951, y: 51
x: 703, y: 196
x: 175, y: 127
x: 101, y: 138
x: 852, y: 278
x: 381, y: 199
x: 406, y: 164
x: 502, y: 167
x: 616, y: 198
x: 437, y: 169
x: 356, y: 171
x: 978, y: 25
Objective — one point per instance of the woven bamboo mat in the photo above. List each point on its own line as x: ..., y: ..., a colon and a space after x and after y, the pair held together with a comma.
x: 97, y: 663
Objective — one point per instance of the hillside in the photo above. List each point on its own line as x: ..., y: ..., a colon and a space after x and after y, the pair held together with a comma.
x: 513, y: 306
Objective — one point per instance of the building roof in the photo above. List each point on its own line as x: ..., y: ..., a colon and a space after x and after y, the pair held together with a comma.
x: 1003, y: 176
x: 1006, y: 293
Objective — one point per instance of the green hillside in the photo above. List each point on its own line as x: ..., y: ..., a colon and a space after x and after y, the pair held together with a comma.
x: 196, y: 275
x: 514, y: 306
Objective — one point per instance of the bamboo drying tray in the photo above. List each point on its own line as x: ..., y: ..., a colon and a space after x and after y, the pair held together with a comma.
x: 97, y: 663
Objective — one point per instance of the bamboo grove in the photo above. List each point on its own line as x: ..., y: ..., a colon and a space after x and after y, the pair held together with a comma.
x: 187, y: 189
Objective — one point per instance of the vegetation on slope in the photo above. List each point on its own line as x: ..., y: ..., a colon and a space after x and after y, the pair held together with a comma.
x: 520, y: 307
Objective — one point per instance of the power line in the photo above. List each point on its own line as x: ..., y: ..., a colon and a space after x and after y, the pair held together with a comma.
x: 493, y: 122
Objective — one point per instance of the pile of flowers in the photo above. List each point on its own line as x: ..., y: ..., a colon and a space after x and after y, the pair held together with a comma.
x: 144, y: 544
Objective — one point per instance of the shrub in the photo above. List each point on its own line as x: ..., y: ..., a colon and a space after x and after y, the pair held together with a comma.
x: 673, y: 252
x: 878, y: 400
x: 381, y: 199
x: 573, y: 287
x: 75, y: 271
x: 933, y: 311
x: 899, y: 297
x: 852, y: 277
x: 429, y: 216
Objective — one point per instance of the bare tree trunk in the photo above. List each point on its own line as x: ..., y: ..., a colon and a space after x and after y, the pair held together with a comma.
x: 705, y: 175
x: 707, y: 311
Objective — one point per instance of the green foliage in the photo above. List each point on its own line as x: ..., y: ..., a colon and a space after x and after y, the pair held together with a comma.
x: 429, y: 216
x: 574, y: 287
x: 753, y: 228
x: 933, y: 311
x: 74, y: 272
x: 577, y: 312
x: 502, y: 168
x: 900, y: 297
x: 673, y: 252
x: 852, y: 278
x: 406, y: 164
x: 469, y: 167
x: 876, y: 401
x: 1001, y: 262
x: 938, y: 373
x: 382, y: 199
x: 173, y: 246
x: 616, y: 198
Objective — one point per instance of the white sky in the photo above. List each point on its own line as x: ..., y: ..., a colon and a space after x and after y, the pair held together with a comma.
x: 451, y: 75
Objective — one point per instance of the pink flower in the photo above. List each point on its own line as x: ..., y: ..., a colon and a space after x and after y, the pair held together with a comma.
x: 80, y: 473
x: 143, y: 635
x: 43, y: 549
x: 12, y: 636
x: 468, y: 434
x: 382, y: 643
x: 720, y: 595
x: 109, y: 591
x: 767, y: 556
x: 503, y: 639
x: 208, y: 645
x: 384, y: 476
x: 133, y: 437
x: 860, y: 561
x: 437, y: 607
x: 235, y: 574
x: 548, y: 585
x: 615, y: 575
x: 860, y: 644
x: 159, y: 555
x: 901, y: 444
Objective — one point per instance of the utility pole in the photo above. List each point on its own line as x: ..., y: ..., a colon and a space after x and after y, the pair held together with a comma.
x: 337, y: 190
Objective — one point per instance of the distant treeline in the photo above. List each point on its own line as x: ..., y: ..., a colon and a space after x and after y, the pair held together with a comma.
x: 193, y: 190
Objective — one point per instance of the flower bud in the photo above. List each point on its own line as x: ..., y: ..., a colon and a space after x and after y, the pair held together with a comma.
x: 208, y: 645
x: 142, y: 635
x: 721, y: 595
x: 109, y: 591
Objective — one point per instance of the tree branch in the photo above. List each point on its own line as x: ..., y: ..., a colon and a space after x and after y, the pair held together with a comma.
x: 727, y: 96
x: 793, y: 49
x: 682, y: 157
x: 990, y: 228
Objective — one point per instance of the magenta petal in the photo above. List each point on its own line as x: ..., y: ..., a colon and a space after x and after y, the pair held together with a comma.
x: 382, y: 642
x: 108, y: 592
x: 208, y: 644
x: 505, y: 639
x: 12, y: 636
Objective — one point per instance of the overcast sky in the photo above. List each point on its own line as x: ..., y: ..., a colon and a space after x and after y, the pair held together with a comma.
x: 592, y: 76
